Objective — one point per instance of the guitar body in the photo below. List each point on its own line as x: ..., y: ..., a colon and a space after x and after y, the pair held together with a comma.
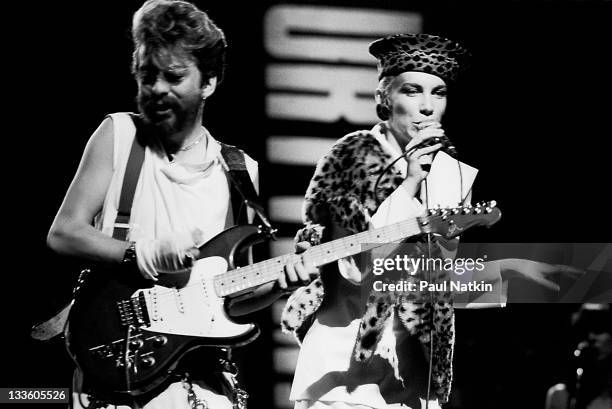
x: 119, y: 311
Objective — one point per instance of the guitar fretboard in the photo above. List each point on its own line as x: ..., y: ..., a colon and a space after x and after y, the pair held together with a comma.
x: 263, y: 272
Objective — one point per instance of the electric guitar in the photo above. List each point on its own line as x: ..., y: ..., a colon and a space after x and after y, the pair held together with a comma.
x: 127, y: 334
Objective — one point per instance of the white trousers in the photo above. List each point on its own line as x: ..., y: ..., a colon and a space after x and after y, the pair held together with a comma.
x: 311, y: 404
x: 174, y: 397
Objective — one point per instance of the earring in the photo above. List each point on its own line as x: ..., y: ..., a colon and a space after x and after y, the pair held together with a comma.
x: 383, y: 111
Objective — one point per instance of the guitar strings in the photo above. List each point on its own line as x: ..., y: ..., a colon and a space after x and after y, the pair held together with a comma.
x: 272, y: 268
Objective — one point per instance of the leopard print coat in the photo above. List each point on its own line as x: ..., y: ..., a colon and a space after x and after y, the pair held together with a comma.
x: 342, y: 188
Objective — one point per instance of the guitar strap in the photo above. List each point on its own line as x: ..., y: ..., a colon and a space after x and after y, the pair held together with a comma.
x: 130, y: 180
x: 242, y: 190
x: 242, y: 194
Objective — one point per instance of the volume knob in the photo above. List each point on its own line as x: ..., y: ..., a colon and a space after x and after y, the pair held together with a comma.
x: 148, y: 361
x: 136, y: 343
x: 160, y: 340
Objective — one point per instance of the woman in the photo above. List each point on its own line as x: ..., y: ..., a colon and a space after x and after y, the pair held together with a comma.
x: 381, y: 358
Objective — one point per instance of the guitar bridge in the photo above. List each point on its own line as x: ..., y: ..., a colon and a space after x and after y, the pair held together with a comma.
x: 134, y: 311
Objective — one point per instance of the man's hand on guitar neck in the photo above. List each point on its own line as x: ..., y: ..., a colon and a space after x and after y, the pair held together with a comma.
x: 298, y: 273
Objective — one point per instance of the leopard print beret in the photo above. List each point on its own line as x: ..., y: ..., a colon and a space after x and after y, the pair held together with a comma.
x: 419, y: 52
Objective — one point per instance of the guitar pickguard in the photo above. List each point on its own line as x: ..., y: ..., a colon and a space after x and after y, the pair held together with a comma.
x: 194, y: 309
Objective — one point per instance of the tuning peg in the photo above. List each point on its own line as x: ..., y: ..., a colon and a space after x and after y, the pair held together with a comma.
x: 492, y: 203
x: 456, y: 210
x: 467, y: 210
x: 477, y: 210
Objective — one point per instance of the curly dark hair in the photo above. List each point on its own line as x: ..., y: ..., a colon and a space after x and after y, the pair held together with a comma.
x: 161, y: 25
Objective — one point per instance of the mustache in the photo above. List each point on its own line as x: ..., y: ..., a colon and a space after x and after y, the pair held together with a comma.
x: 149, y: 103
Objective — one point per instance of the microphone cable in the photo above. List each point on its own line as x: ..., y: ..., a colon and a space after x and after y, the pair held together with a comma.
x: 431, y: 312
x: 452, y: 150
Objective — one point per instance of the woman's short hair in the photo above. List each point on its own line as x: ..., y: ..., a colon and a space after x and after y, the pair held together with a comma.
x: 162, y: 25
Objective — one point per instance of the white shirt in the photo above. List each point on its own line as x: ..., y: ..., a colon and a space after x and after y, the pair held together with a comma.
x: 170, y: 197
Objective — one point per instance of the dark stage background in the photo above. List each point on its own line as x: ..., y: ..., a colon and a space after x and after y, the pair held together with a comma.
x: 531, y: 115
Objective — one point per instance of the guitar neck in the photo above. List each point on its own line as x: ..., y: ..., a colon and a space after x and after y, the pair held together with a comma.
x: 267, y: 271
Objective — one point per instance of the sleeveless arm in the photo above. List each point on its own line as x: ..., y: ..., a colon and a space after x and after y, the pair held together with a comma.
x: 72, y: 232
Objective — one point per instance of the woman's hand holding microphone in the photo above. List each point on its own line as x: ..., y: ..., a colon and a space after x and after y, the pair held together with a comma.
x: 426, y: 139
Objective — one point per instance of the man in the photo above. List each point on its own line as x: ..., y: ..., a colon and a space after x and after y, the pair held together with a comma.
x: 182, y: 198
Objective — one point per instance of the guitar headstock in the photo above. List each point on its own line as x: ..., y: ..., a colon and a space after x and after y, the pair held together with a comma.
x: 451, y: 222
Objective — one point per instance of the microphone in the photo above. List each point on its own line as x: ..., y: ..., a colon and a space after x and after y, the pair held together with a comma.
x: 447, y: 145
